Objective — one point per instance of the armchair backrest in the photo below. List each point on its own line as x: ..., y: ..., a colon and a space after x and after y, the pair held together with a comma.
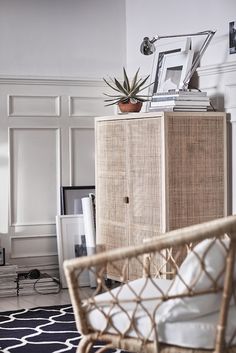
x: 202, y: 283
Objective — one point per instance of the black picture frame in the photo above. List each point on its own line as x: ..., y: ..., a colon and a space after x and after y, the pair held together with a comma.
x: 71, y: 193
x: 232, y: 37
x: 2, y: 256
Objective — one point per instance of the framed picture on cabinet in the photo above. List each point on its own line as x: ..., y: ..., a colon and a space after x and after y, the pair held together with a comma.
x: 71, y: 243
x: 174, y: 69
x: 159, y: 65
x: 71, y: 198
x: 164, y: 50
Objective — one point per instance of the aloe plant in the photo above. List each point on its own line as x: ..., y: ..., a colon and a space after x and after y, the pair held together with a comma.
x: 128, y: 91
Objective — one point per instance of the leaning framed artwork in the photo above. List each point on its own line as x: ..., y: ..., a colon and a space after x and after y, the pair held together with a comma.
x: 174, y: 70
x: 71, y: 243
x: 71, y: 198
x: 164, y: 50
x: 159, y: 65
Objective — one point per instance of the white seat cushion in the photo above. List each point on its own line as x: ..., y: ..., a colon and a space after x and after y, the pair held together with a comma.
x: 212, y: 254
x: 196, y: 333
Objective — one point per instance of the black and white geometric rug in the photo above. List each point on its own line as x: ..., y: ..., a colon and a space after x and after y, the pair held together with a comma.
x: 40, y: 330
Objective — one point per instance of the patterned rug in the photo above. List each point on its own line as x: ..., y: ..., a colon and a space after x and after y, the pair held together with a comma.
x: 40, y: 330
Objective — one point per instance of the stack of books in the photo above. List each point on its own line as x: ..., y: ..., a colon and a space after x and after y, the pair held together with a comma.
x: 8, y: 280
x: 180, y: 101
x: 42, y: 285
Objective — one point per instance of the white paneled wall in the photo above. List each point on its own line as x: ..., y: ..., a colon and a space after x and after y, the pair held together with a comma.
x: 34, y: 106
x: 82, y: 159
x: 46, y: 140
x: 220, y: 83
x: 34, y: 170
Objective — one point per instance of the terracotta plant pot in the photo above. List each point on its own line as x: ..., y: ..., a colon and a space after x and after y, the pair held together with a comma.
x: 130, y: 107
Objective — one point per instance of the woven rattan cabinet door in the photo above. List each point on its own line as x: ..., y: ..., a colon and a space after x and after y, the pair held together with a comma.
x: 144, y: 182
x: 111, y: 187
x: 195, y: 168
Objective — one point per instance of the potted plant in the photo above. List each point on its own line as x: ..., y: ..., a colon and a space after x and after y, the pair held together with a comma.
x: 127, y: 97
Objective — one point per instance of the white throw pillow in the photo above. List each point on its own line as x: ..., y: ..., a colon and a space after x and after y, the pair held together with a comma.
x: 213, y: 254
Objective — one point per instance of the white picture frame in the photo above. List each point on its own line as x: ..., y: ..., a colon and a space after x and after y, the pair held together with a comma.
x: 174, y: 69
x: 70, y: 233
x: 161, y: 51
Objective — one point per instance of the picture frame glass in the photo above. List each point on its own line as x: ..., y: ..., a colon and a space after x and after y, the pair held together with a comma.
x: 71, y: 198
x: 174, y: 70
x: 71, y: 243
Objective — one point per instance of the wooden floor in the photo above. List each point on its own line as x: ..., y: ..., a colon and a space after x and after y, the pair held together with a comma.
x: 32, y: 301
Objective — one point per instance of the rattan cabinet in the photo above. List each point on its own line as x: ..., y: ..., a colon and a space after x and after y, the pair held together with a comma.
x: 156, y: 172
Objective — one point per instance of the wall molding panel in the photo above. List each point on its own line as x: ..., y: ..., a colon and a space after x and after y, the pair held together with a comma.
x: 227, y: 67
x: 51, y: 81
x: 219, y: 81
x: 34, y: 165
x: 33, y: 106
x: 46, y: 141
x: 78, y: 106
x: 32, y: 230
x: 230, y: 94
x: 40, y: 246
x: 81, y: 139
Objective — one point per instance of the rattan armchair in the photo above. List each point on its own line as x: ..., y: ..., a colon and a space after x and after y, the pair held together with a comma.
x: 187, y: 278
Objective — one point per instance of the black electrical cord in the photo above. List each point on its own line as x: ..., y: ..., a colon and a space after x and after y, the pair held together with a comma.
x: 213, y: 108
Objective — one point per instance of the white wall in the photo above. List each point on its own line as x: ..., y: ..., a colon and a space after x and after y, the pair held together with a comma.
x: 83, y: 38
x: 147, y: 18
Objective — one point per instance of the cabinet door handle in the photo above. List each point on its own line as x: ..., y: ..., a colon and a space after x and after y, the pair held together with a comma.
x: 126, y: 199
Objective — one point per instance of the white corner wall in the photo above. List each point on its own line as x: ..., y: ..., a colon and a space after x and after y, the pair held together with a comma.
x: 82, y: 38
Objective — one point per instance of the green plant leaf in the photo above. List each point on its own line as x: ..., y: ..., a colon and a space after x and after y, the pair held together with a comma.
x: 120, y: 87
x: 137, y: 88
x: 110, y: 100
x: 114, y: 96
x: 115, y: 99
x: 141, y: 99
x: 115, y: 89
x: 134, y: 82
x: 146, y: 86
x: 126, y: 81
x: 115, y: 102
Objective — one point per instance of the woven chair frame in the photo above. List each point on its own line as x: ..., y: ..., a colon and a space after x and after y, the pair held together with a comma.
x: 155, y: 259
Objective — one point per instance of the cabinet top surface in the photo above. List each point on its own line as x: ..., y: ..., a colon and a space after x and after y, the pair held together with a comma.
x: 125, y: 116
